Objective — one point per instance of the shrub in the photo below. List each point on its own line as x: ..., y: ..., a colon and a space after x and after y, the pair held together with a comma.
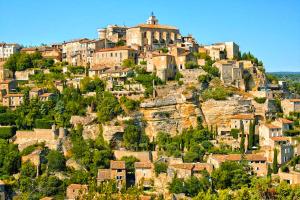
x: 291, y: 133
x: 218, y: 93
x: 234, y: 133
x: 76, y: 69
x: 191, y: 65
x: 260, y: 100
x: 43, y: 123
x: 160, y: 167
x: 7, y: 132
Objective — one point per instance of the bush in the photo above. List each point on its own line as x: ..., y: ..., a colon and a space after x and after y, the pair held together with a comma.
x: 7, y: 132
x: 76, y: 69
x: 160, y: 167
x: 234, y: 133
x: 191, y: 65
x: 8, y: 118
x: 260, y: 100
x: 218, y: 93
x: 291, y: 133
x: 43, y: 123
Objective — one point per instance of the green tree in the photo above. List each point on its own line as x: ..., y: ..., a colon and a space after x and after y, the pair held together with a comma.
x: 176, y: 186
x: 191, y: 65
x: 129, y: 162
x: 160, y: 167
x: 251, y: 137
x: 275, y: 162
x: 242, y: 142
x: 56, y: 161
x: 108, y: 107
x: 128, y: 63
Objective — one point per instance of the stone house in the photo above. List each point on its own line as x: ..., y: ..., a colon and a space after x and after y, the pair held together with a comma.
x: 242, y: 121
x: 267, y: 132
x: 143, y: 173
x: 231, y: 73
x: 80, y: 52
x: 151, y: 36
x: 290, y: 105
x: 34, y: 157
x: 51, y: 52
x: 116, y: 172
x: 114, y: 56
x: 13, y: 100
x: 76, y: 191
x: 46, y: 96
x: 164, y: 66
x: 112, y: 33
x: 186, y: 170
x: 284, y: 124
x: 181, y: 55
x: 24, y: 75
x: 7, y: 86
x: 36, y: 92
x: 229, y: 50
x: 257, y: 162
x: 291, y: 177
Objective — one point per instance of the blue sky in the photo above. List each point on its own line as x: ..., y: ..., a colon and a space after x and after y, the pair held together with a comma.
x: 270, y: 29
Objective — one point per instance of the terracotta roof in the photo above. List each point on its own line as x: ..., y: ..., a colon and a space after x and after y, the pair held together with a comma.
x: 294, y: 100
x: 46, y: 95
x: 147, y: 165
x: 238, y: 157
x: 36, y: 89
x: 77, y: 187
x: 156, y: 26
x: 14, y: 95
x: 47, y: 198
x: 272, y: 126
x: 278, y: 139
x: 104, y: 174
x: 6, y: 81
x: 115, y: 49
x: 243, y: 116
x: 201, y: 166
x: 187, y: 166
x: 117, y: 164
x: 116, y: 69
x: 99, y: 67
x: 285, y: 121
x: 143, y: 197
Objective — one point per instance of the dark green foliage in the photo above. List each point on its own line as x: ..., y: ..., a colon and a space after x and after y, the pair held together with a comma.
x: 242, y: 142
x: 7, y: 132
x: 235, y: 133
x: 251, y: 139
x: 129, y: 163
x: 108, y: 107
x: 134, y: 138
x: 9, y: 158
x: 232, y: 175
x: 88, y: 84
x: 31, y: 148
x: 79, y: 177
x: 56, y: 161
x: 43, y: 123
x: 178, y: 76
x: 162, y: 139
x: 176, y: 186
x: 260, y: 100
x: 146, y: 79
x: 28, y: 170
x: 291, y: 133
x: 275, y: 162
x: 160, y: 167
x: 23, y: 61
x: 121, y: 43
x: 8, y: 118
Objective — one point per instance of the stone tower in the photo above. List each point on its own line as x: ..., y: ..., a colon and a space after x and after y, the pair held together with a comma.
x: 152, y: 19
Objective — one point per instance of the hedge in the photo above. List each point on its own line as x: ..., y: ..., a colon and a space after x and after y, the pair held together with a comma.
x: 260, y: 100
x: 7, y: 132
x: 43, y: 123
x: 291, y: 133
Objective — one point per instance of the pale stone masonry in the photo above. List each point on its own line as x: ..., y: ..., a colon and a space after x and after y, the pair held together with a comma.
x: 7, y: 49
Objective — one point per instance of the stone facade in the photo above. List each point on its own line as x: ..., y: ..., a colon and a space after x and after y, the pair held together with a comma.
x: 12, y: 100
x: 151, y: 35
x: 111, y: 57
x: 76, y: 191
x: 7, y: 49
x: 290, y: 105
x: 218, y: 51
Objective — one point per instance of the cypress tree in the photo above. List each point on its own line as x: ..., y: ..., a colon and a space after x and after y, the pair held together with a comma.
x: 242, y: 143
x: 251, y: 136
x: 275, y: 162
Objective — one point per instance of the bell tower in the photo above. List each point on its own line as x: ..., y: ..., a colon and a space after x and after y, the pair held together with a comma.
x: 152, y: 19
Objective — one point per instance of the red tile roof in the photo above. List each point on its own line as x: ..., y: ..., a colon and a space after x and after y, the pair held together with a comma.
x: 187, y: 166
x: 117, y: 164
x: 278, y: 139
x: 272, y: 126
x: 14, y: 95
x: 285, y: 121
x: 294, y: 100
x: 77, y: 187
x: 146, y: 165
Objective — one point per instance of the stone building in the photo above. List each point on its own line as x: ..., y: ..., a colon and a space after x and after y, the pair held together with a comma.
x: 7, y: 86
x: 231, y: 72
x: 76, y: 191
x: 116, y: 172
x: 7, y: 49
x: 12, y: 100
x: 257, y: 161
x: 242, y: 121
x: 143, y: 174
x: 112, y: 33
x: 223, y: 50
x: 114, y: 56
x: 151, y: 36
x: 290, y: 105
x: 186, y: 170
x: 52, y: 52
x: 182, y: 56
x: 80, y: 52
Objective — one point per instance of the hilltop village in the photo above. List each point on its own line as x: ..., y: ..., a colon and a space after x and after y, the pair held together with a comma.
x: 144, y: 112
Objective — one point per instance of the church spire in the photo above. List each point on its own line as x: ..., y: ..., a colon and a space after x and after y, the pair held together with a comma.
x: 152, y: 19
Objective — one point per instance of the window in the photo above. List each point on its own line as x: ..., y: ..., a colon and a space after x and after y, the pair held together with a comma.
x: 119, y: 170
x: 111, y: 54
